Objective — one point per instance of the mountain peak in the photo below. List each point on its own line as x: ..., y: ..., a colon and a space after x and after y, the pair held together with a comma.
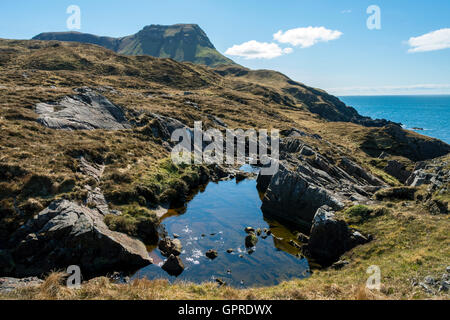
x: 181, y: 42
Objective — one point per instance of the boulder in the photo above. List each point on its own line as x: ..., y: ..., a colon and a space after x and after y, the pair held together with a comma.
x: 330, y: 238
x: 173, y: 266
x: 67, y: 234
x: 169, y: 247
x: 85, y: 111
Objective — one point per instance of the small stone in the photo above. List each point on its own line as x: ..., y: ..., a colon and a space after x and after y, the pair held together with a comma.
x: 229, y: 271
x: 258, y: 232
x: 230, y: 250
x: 429, y: 280
x: 176, y: 236
x: 241, y: 256
x: 448, y: 269
x: 250, y: 251
x: 212, y: 254
x: 213, y: 234
x: 269, y: 232
x: 249, y: 230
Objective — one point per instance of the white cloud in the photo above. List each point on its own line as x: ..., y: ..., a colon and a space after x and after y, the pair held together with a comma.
x: 307, y: 37
x: 436, y: 40
x: 257, y: 50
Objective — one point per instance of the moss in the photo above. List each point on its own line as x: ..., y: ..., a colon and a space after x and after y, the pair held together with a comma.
x: 135, y: 221
x: 397, y: 193
x: 360, y: 213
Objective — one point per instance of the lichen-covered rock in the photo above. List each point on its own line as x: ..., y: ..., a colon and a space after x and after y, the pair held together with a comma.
x: 67, y: 234
x: 85, y: 111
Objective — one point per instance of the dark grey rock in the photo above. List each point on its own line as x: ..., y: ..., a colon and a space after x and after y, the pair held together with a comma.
x: 173, y: 266
x: 330, y: 238
x: 66, y: 234
x: 212, y: 254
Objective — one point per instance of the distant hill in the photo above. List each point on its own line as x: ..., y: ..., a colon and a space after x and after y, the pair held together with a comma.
x: 181, y: 42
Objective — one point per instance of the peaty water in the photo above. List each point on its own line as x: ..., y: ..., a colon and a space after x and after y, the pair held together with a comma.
x: 430, y: 113
x: 215, y: 219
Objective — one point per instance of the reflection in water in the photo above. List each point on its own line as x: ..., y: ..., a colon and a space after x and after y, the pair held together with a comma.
x: 215, y: 219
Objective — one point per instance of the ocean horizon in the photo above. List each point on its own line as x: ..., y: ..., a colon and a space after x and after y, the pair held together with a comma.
x: 425, y: 114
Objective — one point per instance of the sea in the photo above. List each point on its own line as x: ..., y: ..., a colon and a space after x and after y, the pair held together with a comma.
x: 426, y: 114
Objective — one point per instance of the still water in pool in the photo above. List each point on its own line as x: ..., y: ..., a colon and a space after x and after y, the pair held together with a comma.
x: 215, y: 219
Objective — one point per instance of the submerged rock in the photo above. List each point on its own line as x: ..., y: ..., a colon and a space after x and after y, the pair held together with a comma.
x: 85, y: 111
x: 67, y: 234
x: 211, y: 254
x: 173, y: 266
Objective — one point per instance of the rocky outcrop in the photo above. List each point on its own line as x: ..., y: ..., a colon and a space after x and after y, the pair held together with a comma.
x: 433, y: 173
x: 394, y: 140
x: 306, y: 180
x: 69, y: 234
x: 330, y: 238
x: 397, y: 170
x: 87, y: 110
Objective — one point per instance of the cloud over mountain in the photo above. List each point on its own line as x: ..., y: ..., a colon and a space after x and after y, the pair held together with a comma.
x: 257, y: 50
x: 307, y: 37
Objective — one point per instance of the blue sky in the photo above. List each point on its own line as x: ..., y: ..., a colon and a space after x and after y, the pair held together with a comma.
x: 356, y: 61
